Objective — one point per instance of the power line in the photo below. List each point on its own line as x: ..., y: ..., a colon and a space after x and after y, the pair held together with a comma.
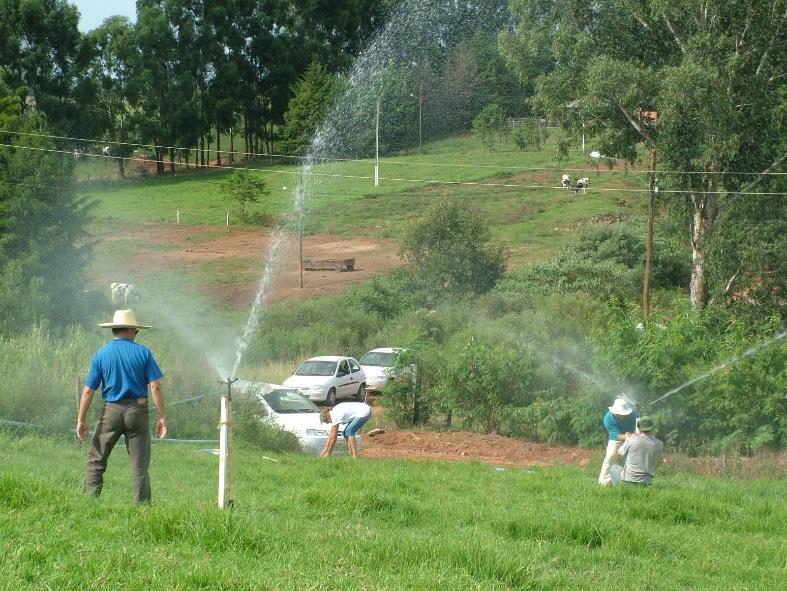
x: 402, y: 179
x: 387, y: 162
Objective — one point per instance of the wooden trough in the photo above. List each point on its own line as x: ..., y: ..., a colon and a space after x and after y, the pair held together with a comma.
x: 340, y: 265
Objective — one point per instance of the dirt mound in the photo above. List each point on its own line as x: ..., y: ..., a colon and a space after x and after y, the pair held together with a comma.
x: 462, y: 446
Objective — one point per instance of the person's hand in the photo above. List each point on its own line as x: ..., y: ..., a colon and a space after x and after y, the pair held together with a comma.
x: 161, y: 428
x: 81, y: 430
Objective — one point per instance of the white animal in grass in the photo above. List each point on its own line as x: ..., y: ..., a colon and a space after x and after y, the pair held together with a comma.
x: 124, y: 293
x: 582, y: 185
x: 566, y: 182
x: 105, y: 151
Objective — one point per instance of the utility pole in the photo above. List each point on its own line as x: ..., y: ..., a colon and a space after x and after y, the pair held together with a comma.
x: 649, y: 241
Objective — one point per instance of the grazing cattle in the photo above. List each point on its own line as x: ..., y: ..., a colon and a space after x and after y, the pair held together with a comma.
x: 105, y: 151
x: 124, y: 293
x: 582, y: 185
x: 566, y: 182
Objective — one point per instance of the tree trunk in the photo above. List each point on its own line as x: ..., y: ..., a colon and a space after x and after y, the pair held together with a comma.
x: 218, y: 146
x: 246, y: 136
x: 122, y: 159
x: 202, y: 151
x: 232, y: 146
x: 705, y: 211
x: 649, y: 240
x: 159, y: 161
x: 172, y: 160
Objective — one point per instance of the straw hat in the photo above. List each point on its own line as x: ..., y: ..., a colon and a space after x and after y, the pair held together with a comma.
x: 123, y: 319
x: 621, y: 407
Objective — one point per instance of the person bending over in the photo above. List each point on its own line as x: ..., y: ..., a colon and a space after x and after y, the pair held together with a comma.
x: 353, y: 415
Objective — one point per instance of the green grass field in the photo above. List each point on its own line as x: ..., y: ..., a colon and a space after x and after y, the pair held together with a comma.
x: 310, y: 523
x: 342, y: 199
x: 513, y: 190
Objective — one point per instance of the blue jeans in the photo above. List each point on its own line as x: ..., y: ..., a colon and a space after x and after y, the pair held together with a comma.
x: 353, y: 426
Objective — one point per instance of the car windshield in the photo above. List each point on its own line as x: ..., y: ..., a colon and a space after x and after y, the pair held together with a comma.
x: 316, y: 368
x: 289, y: 401
x: 378, y: 358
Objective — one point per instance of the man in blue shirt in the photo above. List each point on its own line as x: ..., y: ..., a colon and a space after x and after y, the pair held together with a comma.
x: 620, y: 422
x: 124, y: 369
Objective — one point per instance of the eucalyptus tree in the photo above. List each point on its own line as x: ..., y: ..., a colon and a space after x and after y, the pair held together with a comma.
x: 702, y: 82
x: 154, y: 81
x: 41, y: 50
x: 112, y: 69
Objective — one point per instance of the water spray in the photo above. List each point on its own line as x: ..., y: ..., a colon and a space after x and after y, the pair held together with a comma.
x: 225, y: 447
x: 731, y: 361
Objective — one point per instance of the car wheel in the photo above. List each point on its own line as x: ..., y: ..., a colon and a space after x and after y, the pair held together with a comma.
x: 359, y: 396
x: 330, y: 399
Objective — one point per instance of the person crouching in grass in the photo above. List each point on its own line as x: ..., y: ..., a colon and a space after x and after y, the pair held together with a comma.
x: 353, y: 415
x: 642, y: 452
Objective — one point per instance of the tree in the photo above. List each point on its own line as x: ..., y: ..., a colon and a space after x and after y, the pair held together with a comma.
x: 42, y: 226
x: 40, y: 50
x: 450, y: 250
x: 713, y: 74
x: 112, y: 69
x: 489, y: 125
x: 312, y: 96
x: 486, y: 379
x: 243, y: 188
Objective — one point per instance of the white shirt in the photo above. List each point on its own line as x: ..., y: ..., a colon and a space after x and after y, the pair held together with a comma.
x: 347, y: 411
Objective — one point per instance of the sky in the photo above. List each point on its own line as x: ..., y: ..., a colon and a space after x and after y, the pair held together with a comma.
x: 93, y: 12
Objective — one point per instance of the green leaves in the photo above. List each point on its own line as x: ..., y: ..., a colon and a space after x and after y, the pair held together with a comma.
x: 450, y: 249
x: 244, y: 188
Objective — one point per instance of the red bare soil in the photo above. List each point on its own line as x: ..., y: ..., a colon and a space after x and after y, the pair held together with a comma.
x: 462, y: 446
x: 187, y: 248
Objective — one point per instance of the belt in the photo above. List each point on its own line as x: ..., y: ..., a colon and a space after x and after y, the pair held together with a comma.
x: 130, y: 401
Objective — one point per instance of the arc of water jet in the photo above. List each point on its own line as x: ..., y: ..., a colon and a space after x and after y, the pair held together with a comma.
x: 735, y: 359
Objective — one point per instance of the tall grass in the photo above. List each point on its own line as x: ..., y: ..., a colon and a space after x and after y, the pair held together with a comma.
x: 310, y: 523
x: 42, y: 375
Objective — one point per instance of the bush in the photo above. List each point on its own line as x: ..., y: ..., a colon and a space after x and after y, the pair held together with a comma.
x: 321, y: 326
x: 737, y: 403
x: 482, y: 379
x: 570, y: 272
x: 449, y: 251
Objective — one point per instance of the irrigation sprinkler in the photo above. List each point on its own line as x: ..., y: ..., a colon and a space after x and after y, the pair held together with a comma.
x: 225, y: 447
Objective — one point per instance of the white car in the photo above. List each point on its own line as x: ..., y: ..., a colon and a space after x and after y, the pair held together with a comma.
x: 327, y: 379
x: 379, y: 365
x: 289, y: 410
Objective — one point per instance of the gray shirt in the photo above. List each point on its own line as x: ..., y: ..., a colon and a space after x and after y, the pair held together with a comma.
x: 642, y: 453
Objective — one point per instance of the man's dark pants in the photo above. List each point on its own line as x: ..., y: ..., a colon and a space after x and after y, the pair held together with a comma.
x: 129, y: 418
